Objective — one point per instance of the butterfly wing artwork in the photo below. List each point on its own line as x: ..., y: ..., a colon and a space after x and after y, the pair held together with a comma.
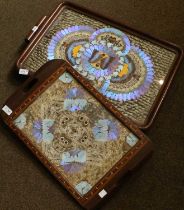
x: 122, y: 71
x: 20, y: 122
x: 132, y: 139
x: 42, y: 130
x: 83, y: 187
x: 73, y: 161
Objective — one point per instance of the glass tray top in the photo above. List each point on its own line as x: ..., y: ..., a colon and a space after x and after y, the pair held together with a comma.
x: 128, y: 70
x: 75, y: 133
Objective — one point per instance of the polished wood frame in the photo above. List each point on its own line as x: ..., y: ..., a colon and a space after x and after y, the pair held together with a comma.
x: 24, y: 96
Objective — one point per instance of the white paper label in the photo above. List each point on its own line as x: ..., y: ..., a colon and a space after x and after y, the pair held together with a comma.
x: 35, y: 28
x: 7, y: 110
x: 102, y: 194
x: 23, y: 71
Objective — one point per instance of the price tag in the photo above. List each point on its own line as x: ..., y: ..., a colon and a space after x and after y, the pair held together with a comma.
x: 23, y: 71
x: 102, y: 194
x: 35, y: 28
x: 7, y: 110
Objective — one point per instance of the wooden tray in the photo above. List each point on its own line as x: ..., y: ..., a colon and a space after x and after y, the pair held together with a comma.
x: 85, y: 142
x: 132, y: 69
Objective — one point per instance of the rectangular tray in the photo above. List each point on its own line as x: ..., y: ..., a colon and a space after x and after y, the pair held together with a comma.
x: 85, y: 142
x: 132, y: 69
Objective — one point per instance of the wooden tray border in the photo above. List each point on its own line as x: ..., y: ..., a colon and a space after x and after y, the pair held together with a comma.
x: 47, y: 22
x: 49, y: 73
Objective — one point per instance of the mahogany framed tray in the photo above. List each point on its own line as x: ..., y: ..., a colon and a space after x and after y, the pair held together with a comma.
x: 86, y: 143
x: 132, y: 69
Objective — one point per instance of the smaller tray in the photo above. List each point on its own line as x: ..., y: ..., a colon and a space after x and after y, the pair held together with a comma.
x: 85, y: 142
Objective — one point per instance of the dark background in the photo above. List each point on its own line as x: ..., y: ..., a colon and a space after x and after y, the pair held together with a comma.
x: 159, y: 183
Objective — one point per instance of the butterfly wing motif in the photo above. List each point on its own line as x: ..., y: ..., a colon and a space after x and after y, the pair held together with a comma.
x: 74, y: 100
x: 105, y: 130
x: 73, y: 161
x: 74, y: 105
x: 20, y: 122
x: 42, y: 130
x: 131, y: 139
x: 47, y: 124
x: 66, y: 78
x: 105, y: 54
x: 83, y: 187
x: 100, y: 131
x: 68, y: 39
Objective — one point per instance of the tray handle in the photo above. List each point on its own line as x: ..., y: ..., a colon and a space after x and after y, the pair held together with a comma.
x: 36, y: 28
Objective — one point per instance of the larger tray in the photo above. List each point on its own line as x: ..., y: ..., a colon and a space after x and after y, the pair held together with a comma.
x: 75, y: 132
x: 132, y: 69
